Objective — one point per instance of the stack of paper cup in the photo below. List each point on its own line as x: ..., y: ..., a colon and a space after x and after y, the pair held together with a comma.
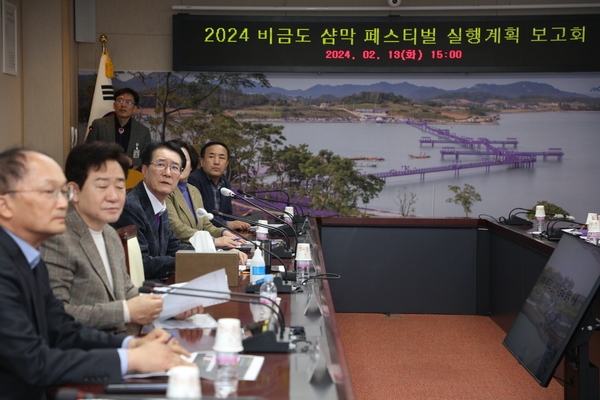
x: 227, y: 345
x: 593, y: 233
x: 591, y: 217
x: 262, y: 231
x: 229, y: 336
x: 184, y: 383
x: 302, y: 262
x: 288, y: 215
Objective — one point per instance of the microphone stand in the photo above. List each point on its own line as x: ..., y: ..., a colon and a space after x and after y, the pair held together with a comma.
x: 283, y: 253
x: 281, y: 288
x: 264, y: 342
x: 295, y: 218
x: 230, y: 193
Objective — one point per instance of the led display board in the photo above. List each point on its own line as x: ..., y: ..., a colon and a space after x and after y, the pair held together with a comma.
x: 386, y: 44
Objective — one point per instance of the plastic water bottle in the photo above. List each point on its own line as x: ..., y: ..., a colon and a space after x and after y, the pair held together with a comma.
x: 302, y: 271
x: 257, y: 266
x: 226, y: 383
x: 268, y: 293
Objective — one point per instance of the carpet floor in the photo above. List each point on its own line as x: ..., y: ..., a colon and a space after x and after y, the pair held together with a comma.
x: 434, y: 357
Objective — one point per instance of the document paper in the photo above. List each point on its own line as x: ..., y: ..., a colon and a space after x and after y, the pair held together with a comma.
x: 174, y: 304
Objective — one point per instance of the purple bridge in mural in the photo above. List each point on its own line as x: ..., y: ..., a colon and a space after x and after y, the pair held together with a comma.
x: 492, y: 152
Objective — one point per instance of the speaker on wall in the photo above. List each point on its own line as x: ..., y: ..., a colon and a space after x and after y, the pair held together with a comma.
x: 85, y: 21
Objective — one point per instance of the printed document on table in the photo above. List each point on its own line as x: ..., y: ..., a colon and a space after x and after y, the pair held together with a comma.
x: 174, y: 304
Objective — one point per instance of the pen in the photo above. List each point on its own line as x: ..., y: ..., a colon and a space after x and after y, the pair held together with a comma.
x: 170, y: 337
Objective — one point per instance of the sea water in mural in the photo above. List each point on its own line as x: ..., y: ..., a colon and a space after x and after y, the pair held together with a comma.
x: 513, y: 158
x: 572, y: 182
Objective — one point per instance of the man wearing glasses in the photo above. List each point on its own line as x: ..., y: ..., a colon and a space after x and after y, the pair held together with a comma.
x: 121, y: 128
x: 42, y: 346
x: 145, y: 208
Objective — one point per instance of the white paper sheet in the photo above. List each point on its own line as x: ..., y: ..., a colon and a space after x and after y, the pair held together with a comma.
x: 174, y: 304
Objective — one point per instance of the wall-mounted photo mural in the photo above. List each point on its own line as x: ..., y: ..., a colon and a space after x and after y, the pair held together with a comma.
x: 395, y: 145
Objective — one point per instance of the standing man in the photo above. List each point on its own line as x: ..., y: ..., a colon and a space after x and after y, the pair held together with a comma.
x: 121, y: 128
x: 145, y: 208
x: 42, y: 346
x: 210, y: 178
x: 90, y: 254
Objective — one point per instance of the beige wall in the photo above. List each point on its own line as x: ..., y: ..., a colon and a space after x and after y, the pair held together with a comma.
x: 39, y: 106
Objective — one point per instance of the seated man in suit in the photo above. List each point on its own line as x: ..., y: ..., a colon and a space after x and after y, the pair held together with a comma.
x: 210, y: 178
x: 90, y: 254
x: 121, y: 128
x: 183, y: 202
x: 145, y: 208
x: 42, y: 345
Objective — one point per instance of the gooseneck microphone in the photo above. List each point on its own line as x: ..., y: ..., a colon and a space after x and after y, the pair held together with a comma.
x: 288, y: 253
x: 166, y: 289
x: 229, y: 193
x: 266, y: 201
x: 263, y: 342
x: 202, y: 212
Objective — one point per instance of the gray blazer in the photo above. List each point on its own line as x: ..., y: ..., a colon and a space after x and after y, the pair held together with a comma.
x: 103, y: 129
x: 78, y: 276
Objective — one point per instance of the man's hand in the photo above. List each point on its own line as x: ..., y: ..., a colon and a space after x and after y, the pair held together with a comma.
x: 155, y: 353
x: 145, y: 309
x: 238, y: 225
x: 226, y: 241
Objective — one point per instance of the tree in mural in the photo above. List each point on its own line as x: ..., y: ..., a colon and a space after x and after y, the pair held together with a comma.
x: 464, y: 197
x: 176, y: 98
x: 334, y: 185
x: 406, y: 203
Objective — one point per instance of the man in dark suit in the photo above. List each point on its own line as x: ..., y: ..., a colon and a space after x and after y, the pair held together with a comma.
x: 145, y: 208
x: 42, y: 345
x: 210, y: 178
x: 121, y: 128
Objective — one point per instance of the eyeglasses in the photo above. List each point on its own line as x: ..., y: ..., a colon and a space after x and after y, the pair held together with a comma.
x: 66, y: 192
x: 128, y: 102
x: 160, y: 166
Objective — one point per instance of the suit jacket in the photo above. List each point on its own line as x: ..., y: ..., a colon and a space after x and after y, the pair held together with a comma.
x: 103, y: 129
x: 74, y: 263
x: 202, y: 182
x: 181, y: 218
x: 158, y: 246
x: 42, y: 345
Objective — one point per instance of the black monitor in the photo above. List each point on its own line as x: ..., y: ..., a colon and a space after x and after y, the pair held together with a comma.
x: 559, y: 303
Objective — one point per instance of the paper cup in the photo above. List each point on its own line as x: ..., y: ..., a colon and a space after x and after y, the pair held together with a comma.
x: 303, y: 252
x: 229, y: 336
x: 184, y: 383
x: 591, y: 217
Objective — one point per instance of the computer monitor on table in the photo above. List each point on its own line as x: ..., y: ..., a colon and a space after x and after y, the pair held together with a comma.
x: 559, y: 303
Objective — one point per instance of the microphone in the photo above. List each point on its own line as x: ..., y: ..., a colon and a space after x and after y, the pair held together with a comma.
x: 263, y: 200
x: 285, y: 253
x: 230, y: 193
x: 201, y: 213
x: 261, y: 342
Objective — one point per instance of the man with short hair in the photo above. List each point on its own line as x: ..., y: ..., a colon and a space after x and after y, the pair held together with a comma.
x: 42, y: 346
x: 90, y: 254
x: 145, y: 208
x: 210, y: 178
x: 121, y: 128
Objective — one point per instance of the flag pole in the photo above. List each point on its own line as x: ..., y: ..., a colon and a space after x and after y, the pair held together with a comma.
x: 103, y: 98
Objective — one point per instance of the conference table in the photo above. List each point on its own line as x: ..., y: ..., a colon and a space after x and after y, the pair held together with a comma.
x: 293, y: 375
